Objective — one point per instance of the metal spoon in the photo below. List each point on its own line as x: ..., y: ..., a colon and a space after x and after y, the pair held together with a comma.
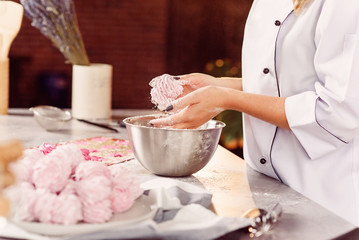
x: 53, y: 118
x: 262, y: 220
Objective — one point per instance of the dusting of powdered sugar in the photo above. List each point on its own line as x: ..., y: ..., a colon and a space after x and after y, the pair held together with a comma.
x: 190, y: 145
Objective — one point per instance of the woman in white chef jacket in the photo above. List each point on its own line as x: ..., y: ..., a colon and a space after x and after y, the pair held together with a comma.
x: 300, y: 98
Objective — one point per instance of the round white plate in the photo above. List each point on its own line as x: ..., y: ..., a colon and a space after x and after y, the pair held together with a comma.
x: 143, y: 209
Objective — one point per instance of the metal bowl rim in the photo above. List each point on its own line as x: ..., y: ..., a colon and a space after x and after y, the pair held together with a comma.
x: 219, y: 124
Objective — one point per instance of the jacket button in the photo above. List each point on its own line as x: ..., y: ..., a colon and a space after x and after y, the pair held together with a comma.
x: 266, y: 71
x: 262, y: 161
x: 277, y: 23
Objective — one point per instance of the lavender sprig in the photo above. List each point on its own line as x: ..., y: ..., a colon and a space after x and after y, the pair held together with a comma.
x: 56, y: 19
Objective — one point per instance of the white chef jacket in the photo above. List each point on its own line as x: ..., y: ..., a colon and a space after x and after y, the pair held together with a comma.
x: 312, y: 60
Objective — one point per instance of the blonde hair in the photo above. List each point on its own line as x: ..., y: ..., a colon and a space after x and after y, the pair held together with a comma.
x: 300, y: 5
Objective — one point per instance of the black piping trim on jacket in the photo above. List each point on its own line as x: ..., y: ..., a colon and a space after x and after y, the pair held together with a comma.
x: 324, y: 127
x: 276, y: 77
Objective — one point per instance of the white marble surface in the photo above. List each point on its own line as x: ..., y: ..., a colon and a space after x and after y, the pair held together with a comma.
x: 21, y: 125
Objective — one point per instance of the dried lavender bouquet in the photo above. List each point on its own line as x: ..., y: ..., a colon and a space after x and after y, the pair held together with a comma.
x: 56, y: 19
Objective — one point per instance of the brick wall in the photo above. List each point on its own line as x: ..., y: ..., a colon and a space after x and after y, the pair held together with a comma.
x: 129, y: 34
x: 138, y: 37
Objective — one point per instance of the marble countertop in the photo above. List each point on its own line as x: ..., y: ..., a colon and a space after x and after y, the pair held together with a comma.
x: 235, y: 187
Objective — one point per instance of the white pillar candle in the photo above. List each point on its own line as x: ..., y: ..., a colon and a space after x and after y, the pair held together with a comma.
x: 91, y: 91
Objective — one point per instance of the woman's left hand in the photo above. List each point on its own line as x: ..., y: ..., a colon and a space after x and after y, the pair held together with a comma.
x: 194, y: 109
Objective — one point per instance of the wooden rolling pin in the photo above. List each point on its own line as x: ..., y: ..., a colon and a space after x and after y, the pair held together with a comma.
x: 4, y: 86
x: 9, y: 152
x: 10, y: 23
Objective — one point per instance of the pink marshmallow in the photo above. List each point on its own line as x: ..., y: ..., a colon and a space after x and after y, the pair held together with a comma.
x: 89, y: 169
x: 22, y: 169
x: 61, y: 187
x: 165, y: 89
x: 94, y: 189
x: 44, y: 206
x: 70, y: 188
x: 67, y: 210
x: 126, y: 189
x: 121, y: 200
x: 98, y: 212
x: 70, y: 153
x: 51, y: 172
x: 23, y: 197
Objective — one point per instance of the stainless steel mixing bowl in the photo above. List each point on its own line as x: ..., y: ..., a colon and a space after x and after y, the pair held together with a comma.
x: 172, y: 152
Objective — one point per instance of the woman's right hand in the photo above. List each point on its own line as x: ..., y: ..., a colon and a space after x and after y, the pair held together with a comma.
x: 196, y: 108
x: 194, y: 81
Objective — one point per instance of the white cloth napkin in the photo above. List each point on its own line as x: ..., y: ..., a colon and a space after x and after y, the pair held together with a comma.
x: 182, y: 214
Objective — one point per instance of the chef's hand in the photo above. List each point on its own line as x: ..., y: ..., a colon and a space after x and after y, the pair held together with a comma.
x: 194, y: 109
x: 194, y: 81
